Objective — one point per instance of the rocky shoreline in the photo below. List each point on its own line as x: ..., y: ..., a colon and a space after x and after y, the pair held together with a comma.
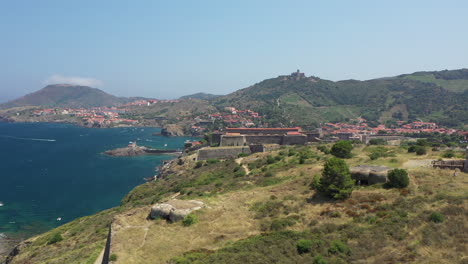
x: 7, y: 245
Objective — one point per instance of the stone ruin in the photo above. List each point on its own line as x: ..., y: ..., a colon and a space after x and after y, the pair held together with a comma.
x: 370, y: 174
x: 175, y: 210
x: 461, y: 165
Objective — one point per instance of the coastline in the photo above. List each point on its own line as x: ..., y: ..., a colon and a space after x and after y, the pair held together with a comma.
x: 8, y: 242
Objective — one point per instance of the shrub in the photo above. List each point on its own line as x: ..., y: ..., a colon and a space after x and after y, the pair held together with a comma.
x: 449, y: 154
x: 342, y: 149
x: 422, y: 142
x: 436, y: 217
x: 241, y: 155
x: 315, y: 185
x: 412, y: 148
x: 190, y: 219
x: 319, y: 260
x: 212, y: 161
x: 270, y: 159
x: 421, y: 151
x: 397, y: 178
x: 198, y: 164
x: 113, y: 257
x: 303, y: 246
x: 57, y: 237
x: 338, y: 247
x: 377, y: 141
x: 281, y: 224
x: 239, y: 173
x: 336, y: 181
x: 324, y: 149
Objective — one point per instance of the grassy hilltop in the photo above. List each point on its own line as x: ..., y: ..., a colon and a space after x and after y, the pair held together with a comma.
x: 262, y: 209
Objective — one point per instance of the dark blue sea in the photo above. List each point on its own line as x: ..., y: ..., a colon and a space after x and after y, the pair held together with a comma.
x: 53, y: 171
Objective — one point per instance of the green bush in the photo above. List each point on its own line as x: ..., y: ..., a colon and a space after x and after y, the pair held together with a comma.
x: 113, y: 257
x: 397, y: 178
x: 323, y: 149
x: 190, y: 219
x: 421, y: 151
x: 342, y: 149
x: 270, y: 160
x: 212, y: 161
x: 239, y: 173
x: 448, y: 154
x: 198, y: 164
x: 377, y: 141
x: 304, y: 246
x: 315, y: 185
x: 319, y: 260
x: 241, y: 155
x: 57, y: 237
x: 338, y: 247
x: 436, y: 217
x: 281, y: 224
x: 336, y: 181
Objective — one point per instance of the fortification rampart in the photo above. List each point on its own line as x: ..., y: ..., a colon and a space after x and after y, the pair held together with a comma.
x: 294, y: 140
x: 228, y: 140
x: 221, y: 152
x: 264, y: 139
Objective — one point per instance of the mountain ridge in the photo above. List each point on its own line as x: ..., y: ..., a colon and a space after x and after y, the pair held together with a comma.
x: 66, y: 95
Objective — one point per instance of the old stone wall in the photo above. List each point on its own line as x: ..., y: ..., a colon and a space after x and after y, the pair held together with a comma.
x: 228, y: 140
x: 266, y: 139
x: 221, y: 152
x: 294, y: 140
x: 313, y: 137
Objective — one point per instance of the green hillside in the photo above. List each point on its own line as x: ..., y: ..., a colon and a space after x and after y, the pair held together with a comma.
x: 65, y: 95
x: 262, y: 209
x: 308, y: 101
x: 455, y: 80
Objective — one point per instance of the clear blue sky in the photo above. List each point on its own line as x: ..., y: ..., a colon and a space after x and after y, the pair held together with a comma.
x: 165, y: 49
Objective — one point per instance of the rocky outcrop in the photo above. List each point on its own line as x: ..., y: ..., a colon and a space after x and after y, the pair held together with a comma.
x: 16, y: 250
x: 370, y: 174
x: 175, y: 210
x: 126, y: 152
x: 172, y: 130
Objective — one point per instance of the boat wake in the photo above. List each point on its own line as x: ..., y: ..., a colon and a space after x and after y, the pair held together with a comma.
x: 33, y: 139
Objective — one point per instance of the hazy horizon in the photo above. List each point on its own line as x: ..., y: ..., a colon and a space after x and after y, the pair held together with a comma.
x: 167, y: 50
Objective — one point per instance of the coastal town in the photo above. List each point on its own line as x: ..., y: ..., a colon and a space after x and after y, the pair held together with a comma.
x: 230, y: 116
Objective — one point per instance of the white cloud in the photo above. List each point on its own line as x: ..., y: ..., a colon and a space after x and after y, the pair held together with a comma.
x: 60, y: 79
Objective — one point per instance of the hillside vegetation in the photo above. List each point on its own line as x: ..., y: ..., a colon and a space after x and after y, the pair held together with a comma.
x: 262, y: 209
x: 308, y: 101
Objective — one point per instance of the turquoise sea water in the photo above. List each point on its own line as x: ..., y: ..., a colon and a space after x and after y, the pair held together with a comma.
x: 50, y: 171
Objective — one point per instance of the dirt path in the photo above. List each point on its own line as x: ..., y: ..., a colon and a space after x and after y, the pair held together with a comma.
x: 246, y: 169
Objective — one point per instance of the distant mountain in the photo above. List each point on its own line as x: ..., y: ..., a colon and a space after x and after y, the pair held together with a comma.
x: 65, y: 95
x: 308, y: 101
x: 201, y: 96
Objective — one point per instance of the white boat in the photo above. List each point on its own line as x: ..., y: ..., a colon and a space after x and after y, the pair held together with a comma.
x: 59, y: 219
x: 1, y: 204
